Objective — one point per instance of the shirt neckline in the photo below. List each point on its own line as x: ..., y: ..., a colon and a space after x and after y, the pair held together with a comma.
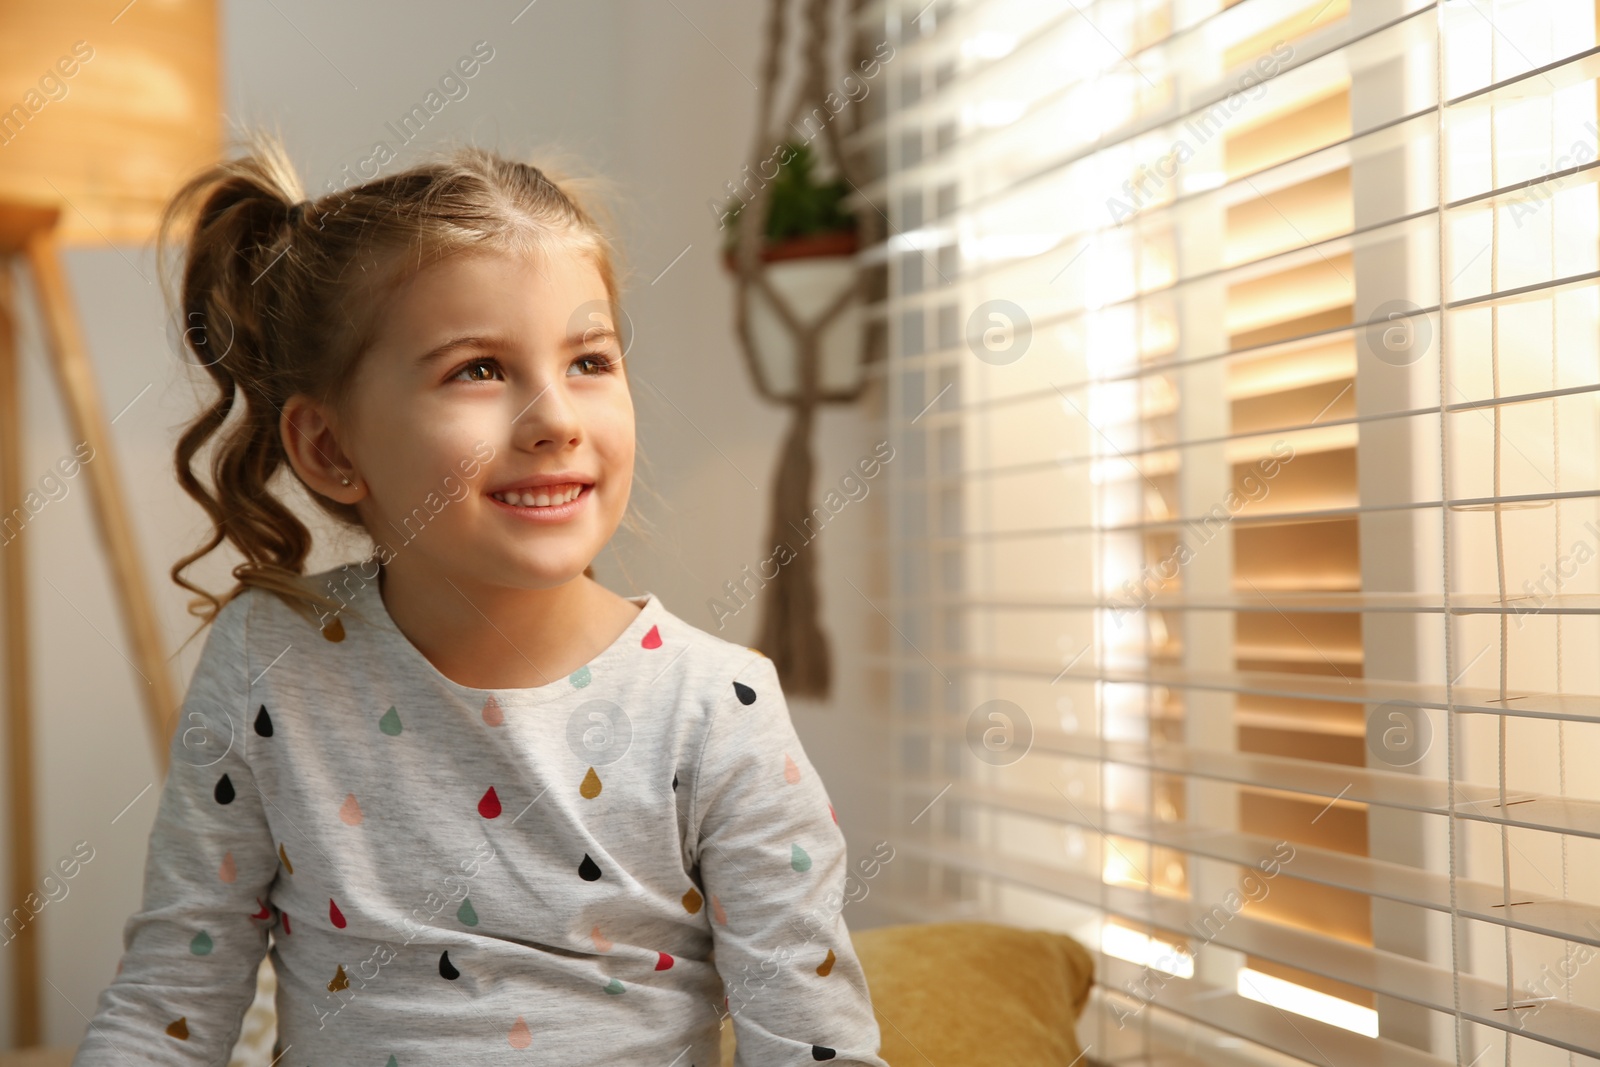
x: 632, y: 637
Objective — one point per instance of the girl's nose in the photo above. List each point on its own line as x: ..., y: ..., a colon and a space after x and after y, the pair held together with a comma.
x: 547, y: 418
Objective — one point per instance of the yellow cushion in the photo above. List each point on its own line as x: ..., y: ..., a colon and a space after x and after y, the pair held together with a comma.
x: 39, y: 1056
x: 958, y: 993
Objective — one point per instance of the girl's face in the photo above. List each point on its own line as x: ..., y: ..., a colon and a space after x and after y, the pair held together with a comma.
x: 491, y: 423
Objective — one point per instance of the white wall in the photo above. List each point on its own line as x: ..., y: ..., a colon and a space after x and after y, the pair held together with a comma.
x: 636, y: 90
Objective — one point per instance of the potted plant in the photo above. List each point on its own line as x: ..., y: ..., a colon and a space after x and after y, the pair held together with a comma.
x: 807, y: 255
x: 805, y: 217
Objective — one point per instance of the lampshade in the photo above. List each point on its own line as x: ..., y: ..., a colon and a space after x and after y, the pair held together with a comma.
x: 107, y: 107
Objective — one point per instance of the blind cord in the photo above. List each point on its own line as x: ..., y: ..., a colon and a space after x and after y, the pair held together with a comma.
x: 1555, y: 462
x: 1500, y: 545
x: 1440, y: 15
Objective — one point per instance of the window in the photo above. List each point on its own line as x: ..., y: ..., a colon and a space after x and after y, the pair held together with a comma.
x: 1245, y: 546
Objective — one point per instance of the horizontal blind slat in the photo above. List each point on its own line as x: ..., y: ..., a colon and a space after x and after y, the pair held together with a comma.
x: 956, y: 413
x: 1524, y: 809
x: 1316, y: 603
x: 1253, y: 518
x: 1572, y: 707
x: 1566, y: 920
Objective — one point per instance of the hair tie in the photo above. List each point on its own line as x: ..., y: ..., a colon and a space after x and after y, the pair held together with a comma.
x: 297, y: 212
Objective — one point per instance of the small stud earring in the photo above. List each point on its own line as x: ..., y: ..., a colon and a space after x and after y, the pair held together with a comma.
x: 346, y: 481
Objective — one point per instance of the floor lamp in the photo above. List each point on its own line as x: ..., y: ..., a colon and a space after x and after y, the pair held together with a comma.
x: 107, y: 107
x: 27, y: 233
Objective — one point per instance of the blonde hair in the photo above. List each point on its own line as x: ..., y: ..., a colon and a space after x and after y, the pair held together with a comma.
x: 280, y: 298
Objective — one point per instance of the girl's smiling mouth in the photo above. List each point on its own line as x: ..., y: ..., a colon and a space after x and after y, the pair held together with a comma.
x: 553, y: 501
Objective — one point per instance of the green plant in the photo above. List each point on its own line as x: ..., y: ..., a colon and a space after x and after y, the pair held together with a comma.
x: 799, y: 204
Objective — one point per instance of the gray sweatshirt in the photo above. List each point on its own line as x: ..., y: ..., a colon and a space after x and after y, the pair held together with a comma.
x: 591, y: 871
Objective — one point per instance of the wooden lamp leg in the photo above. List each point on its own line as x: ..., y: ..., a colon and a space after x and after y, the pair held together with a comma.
x: 24, y: 944
x: 76, y: 377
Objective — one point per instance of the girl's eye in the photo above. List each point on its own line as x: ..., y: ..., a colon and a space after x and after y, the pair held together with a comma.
x: 599, y: 363
x: 486, y: 362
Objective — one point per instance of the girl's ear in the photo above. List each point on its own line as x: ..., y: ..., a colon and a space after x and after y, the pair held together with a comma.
x: 313, y: 451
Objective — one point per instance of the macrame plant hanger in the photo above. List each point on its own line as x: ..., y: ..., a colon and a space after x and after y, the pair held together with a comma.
x: 789, y: 631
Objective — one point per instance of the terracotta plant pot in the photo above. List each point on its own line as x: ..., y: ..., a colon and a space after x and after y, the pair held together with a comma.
x: 835, y: 243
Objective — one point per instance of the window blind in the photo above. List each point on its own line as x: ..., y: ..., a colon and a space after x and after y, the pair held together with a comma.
x: 1244, y: 555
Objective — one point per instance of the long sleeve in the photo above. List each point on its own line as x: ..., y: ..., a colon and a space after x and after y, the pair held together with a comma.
x: 191, y: 951
x: 773, y: 865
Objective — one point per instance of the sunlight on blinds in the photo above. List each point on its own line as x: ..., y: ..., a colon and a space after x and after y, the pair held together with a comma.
x: 1245, y: 362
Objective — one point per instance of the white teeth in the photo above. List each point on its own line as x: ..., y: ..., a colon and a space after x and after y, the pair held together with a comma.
x: 543, y: 498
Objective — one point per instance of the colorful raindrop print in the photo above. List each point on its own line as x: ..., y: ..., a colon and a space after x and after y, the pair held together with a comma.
x: 747, y: 696
x: 580, y: 677
x: 652, y: 639
x: 798, y: 858
x: 493, y: 713
x: 489, y: 805
x: 224, y: 791
x: 263, y: 722
x: 588, y: 870
x: 390, y: 723
x: 590, y: 788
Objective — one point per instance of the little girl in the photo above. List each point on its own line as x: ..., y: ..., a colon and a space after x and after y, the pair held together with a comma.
x: 487, y: 810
